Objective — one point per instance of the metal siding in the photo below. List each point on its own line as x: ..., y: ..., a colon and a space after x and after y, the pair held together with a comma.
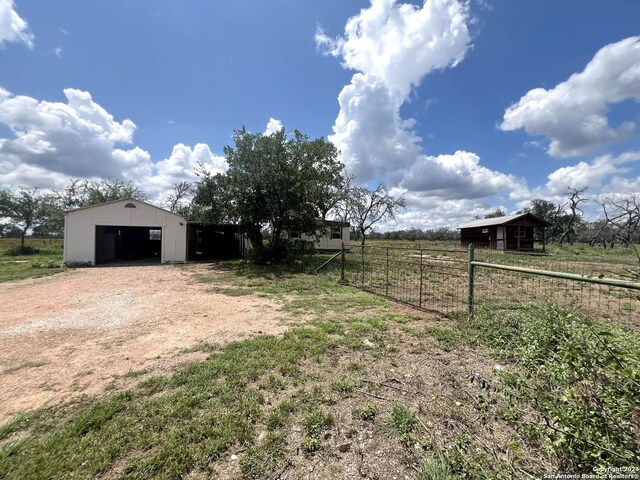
x: 81, y: 224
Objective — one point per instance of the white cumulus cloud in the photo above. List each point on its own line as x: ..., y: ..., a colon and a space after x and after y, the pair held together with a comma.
x: 55, y: 141
x: 600, y: 176
x: 447, y: 176
x: 180, y: 167
x: 573, y: 114
x: 78, y: 138
x: 400, y: 43
x: 13, y: 28
x: 589, y: 174
x: 393, y: 47
x: 273, y: 126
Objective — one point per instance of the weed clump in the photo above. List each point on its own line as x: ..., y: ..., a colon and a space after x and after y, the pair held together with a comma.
x: 402, y: 423
x: 367, y: 412
x: 314, y: 424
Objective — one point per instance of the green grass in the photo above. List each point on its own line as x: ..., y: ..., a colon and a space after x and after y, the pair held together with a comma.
x: 434, y: 469
x: 170, y: 426
x: 45, y: 259
x: 402, y: 423
x: 315, y: 423
x: 267, y: 397
x: 447, y: 337
x: 578, y: 251
x: 201, y: 413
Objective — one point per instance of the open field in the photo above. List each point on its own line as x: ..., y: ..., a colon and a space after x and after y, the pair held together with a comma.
x: 577, y: 254
x: 356, y: 387
x: 47, y: 259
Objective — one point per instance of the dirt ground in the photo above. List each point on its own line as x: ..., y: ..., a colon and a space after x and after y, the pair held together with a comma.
x: 76, y: 333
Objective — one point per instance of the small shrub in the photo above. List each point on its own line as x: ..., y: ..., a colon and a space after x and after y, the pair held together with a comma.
x: 581, y: 376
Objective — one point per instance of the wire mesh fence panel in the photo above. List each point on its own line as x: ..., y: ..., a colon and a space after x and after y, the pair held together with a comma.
x: 437, y: 280
x: 508, y: 289
x: 429, y: 279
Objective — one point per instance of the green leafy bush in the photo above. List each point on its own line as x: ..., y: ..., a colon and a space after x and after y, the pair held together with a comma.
x: 581, y: 376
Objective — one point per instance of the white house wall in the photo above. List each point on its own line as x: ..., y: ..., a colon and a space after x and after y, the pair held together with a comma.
x: 80, y: 229
x: 325, y: 242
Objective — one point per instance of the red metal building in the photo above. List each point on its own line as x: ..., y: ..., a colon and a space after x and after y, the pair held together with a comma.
x: 512, y: 232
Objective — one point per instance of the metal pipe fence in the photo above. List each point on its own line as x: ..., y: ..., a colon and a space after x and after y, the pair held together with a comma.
x: 448, y: 281
x: 601, y: 298
x: 425, y: 278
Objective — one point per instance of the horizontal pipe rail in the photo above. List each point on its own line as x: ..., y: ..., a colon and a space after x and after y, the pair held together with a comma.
x: 567, y: 276
x: 415, y: 249
x: 325, y: 263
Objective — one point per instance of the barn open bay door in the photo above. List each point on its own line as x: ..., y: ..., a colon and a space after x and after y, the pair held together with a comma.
x: 119, y: 243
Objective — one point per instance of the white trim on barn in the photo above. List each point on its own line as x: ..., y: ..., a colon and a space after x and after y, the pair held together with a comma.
x: 98, y: 233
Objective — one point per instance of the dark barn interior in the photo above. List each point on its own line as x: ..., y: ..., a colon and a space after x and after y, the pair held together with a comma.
x: 209, y: 242
x: 116, y: 244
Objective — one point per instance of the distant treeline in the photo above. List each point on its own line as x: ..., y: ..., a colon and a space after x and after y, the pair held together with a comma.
x: 413, y: 234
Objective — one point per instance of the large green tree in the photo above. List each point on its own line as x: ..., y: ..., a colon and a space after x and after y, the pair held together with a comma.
x: 82, y: 193
x: 283, y: 181
x: 25, y: 210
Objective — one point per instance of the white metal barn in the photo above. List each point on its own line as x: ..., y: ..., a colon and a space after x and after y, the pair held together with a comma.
x: 124, y: 230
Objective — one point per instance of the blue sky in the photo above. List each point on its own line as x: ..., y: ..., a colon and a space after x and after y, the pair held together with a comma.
x: 460, y: 107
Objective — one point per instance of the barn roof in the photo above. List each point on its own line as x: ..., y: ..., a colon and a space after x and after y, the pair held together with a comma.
x: 134, y: 200
x: 487, y: 222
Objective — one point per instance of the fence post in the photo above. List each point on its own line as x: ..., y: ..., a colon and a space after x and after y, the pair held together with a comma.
x: 386, y: 284
x: 362, y: 261
x: 420, y: 297
x: 342, y: 264
x: 471, y: 279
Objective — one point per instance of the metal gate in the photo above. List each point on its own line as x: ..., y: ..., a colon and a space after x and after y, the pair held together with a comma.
x: 426, y: 278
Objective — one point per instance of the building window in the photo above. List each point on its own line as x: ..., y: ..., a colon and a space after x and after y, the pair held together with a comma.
x: 336, y: 232
x: 294, y: 234
x: 130, y: 205
x: 155, y: 234
x: 485, y: 230
x: 517, y: 232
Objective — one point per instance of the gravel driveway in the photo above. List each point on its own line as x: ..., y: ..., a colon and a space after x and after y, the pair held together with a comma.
x: 73, y: 334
